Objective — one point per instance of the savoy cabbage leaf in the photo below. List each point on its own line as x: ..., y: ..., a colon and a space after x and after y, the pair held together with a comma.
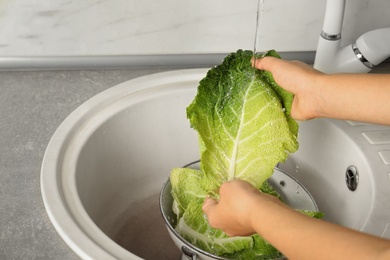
x: 194, y: 227
x: 244, y: 126
x: 243, y: 121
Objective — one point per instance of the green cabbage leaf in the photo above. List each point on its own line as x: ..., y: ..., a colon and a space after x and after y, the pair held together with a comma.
x: 245, y: 128
x: 243, y: 121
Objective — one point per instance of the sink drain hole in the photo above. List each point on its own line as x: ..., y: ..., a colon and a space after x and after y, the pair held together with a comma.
x: 352, y: 177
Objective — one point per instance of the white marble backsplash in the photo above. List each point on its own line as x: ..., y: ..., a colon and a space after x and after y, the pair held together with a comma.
x: 116, y: 27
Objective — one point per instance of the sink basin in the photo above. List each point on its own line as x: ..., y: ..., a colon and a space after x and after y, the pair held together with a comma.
x: 107, y: 162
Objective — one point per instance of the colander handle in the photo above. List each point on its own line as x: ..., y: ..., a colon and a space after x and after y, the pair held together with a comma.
x: 188, y: 253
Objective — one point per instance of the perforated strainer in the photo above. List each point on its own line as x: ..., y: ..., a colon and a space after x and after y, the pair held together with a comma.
x: 291, y: 191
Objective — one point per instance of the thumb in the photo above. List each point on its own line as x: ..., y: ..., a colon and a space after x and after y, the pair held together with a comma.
x: 208, y: 205
x: 210, y: 209
x: 265, y: 63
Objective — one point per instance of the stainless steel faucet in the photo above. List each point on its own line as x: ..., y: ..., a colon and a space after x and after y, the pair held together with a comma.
x: 369, y: 50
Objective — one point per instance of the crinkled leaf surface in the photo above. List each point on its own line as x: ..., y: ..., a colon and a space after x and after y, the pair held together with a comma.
x: 241, y: 117
x: 193, y: 227
x: 244, y: 125
x: 187, y: 185
x: 189, y: 194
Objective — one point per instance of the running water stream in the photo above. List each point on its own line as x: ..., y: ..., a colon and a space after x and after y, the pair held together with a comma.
x: 259, y: 15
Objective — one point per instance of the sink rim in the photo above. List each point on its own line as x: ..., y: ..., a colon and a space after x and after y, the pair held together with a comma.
x: 52, y: 189
x: 70, y: 229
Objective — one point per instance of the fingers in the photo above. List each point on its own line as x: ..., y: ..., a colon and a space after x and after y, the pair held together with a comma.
x: 266, y: 63
x: 210, y: 209
x: 231, y: 213
x: 209, y: 204
x: 273, y: 64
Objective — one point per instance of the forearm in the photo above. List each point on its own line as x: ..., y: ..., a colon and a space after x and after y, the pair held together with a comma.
x: 243, y: 210
x: 363, y: 97
x: 300, y: 237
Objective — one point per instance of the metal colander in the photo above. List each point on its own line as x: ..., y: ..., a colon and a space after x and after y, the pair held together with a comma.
x: 291, y: 191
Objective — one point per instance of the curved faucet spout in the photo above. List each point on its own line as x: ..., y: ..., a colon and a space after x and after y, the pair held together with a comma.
x: 375, y: 45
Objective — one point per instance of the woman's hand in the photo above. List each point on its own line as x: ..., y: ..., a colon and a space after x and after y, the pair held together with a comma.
x: 243, y: 210
x: 236, y: 211
x: 356, y: 97
x: 297, y: 78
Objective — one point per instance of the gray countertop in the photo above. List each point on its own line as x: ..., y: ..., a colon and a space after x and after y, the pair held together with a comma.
x: 32, y: 105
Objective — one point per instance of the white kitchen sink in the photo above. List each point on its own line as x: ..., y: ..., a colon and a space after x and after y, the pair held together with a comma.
x: 106, y: 164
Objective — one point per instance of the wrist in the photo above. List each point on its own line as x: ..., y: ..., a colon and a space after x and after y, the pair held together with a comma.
x: 264, y: 210
x: 318, y: 97
x: 312, y: 101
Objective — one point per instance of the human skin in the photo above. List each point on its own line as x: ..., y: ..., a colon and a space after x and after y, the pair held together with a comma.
x: 243, y: 210
x: 356, y: 97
